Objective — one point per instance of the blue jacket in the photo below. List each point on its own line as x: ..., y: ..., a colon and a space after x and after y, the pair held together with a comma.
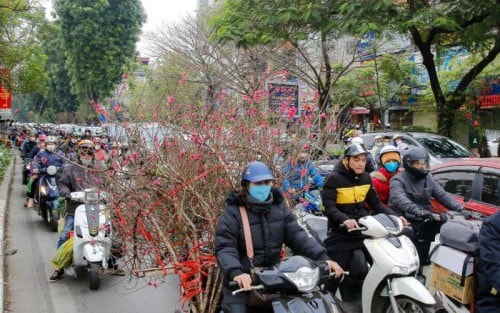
x: 488, y: 266
x: 297, y: 175
x: 44, y: 159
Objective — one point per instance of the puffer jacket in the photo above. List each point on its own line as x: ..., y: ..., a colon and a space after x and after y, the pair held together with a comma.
x: 380, y: 181
x: 75, y: 177
x: 297, y: 175
x: 349, y: 196
x: 44, y: 159
x: 410, y: 195
x: 270, y: 230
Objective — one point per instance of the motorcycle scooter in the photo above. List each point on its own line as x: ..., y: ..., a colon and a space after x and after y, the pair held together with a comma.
x: 47, y: 197
x: 296, y: 281
x: 92, y: 235
x: 390, y: 285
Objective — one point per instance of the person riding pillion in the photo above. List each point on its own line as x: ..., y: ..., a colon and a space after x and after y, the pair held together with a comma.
x: 300, y: 174
x: 272, y: 224
x: 390, y: 160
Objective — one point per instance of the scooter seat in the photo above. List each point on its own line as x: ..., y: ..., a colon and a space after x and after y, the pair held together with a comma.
x: 318, y: 228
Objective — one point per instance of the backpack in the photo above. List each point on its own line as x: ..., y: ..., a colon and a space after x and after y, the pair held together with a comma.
x: 461, y: 234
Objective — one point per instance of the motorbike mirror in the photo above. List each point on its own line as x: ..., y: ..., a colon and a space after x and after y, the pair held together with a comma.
x: 51, y: 170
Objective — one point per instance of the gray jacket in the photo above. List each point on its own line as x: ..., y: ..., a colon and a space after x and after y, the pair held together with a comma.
x: 409, y: 194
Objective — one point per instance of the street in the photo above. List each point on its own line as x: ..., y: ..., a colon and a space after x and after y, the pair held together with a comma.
x: 29, y: 245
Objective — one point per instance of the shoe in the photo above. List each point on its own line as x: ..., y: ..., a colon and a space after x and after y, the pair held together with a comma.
x: 58, y: 274
x: 30, y: 203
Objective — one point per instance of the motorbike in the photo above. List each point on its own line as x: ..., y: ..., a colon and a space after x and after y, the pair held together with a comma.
x: 47, y: 197
x: 26, y: 171
x: 391, y: 262
x: 92, y: 235
x: 297, y: 282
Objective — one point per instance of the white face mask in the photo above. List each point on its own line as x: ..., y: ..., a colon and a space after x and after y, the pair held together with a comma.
x: 50, y: 147
x: 97, y: 148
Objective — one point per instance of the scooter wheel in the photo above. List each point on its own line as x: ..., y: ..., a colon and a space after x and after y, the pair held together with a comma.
x: 94, y: 275
x: 409, y: 305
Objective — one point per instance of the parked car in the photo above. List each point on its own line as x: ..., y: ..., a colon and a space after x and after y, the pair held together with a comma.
x: 475, y: 183
x: 441, y: 149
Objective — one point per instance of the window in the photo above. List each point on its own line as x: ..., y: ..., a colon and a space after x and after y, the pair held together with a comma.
x: 442, y: 147
x: 491, y: 189
x: 458, y: 182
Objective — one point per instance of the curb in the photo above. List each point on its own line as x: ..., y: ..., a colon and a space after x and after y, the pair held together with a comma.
x: 4, y: 202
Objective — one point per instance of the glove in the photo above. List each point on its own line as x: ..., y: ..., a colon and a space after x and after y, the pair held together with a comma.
x: 424, y: 214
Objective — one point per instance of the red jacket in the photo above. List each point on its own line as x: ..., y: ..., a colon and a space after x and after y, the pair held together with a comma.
x: 380, y: 181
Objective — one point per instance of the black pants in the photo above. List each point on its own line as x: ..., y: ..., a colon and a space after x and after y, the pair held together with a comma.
x: 424, y: 234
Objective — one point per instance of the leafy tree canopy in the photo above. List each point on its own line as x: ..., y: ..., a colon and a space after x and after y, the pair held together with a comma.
x: 99, y: 36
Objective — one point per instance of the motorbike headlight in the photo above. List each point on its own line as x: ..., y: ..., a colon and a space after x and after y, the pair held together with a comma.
x: 305, y: 278
x: 43, y: 190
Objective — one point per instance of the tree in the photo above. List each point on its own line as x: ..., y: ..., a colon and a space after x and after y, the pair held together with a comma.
x: 307, y: 29
x: 433, y: 28
x: 98, y: 38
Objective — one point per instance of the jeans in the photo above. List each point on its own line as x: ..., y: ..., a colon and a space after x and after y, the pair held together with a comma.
x: 69, y: 223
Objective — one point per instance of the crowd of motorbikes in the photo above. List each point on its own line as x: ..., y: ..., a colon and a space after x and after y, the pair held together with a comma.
x: 91, y: 235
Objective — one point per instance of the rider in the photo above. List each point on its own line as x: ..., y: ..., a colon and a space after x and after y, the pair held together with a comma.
x: 378, y: 144
x: 370, y: 162
x: 347, y: 196
x: 42, y: 160
x: 69, y: 147
x: 300, y: 174
x: 29, y: 144
x: 78, y: 177
x: 390, y: 160
x: 100, y: 154
x: 411, y: 192
x: 272, y: 225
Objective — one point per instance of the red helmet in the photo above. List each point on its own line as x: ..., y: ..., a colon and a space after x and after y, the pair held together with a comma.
x: 42, y: 137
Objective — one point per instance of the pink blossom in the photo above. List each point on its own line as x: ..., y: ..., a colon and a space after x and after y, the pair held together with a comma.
x: 170, y: 99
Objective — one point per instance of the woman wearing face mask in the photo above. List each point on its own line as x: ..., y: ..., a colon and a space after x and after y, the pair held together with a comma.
x: 390, y: 160
x: 272, y: 225
x: 300, y: 174
x: 100, y: 154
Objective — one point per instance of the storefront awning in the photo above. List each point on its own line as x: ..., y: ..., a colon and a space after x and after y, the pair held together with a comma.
x: 360, y: 110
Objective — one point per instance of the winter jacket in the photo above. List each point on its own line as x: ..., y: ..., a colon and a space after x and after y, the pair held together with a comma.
x: 410, y: 195
x: 488, y: 266
x: 76, y: 177
x: 297, y: 175
x: 270, y: 230
x: 44, y: 159
x: 347, y: 195
x: 27, y: 146
x: 380, y: 181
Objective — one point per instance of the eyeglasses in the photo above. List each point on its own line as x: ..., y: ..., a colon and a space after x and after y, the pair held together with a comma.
x: 263, y: 182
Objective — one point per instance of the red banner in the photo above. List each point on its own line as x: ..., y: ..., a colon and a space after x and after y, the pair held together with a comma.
x: 5, y: 98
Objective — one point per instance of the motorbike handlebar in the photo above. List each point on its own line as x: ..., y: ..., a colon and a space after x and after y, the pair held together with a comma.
x: 350, y: 230
x: 256, y: 287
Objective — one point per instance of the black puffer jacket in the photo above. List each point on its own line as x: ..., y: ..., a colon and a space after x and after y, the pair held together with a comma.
x: 270, y: 230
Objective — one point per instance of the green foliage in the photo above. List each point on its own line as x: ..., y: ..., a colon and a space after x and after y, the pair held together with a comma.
x: 99, y: 37
x: 5, y: 159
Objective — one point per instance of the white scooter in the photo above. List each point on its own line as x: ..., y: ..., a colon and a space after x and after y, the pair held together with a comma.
x: 92, y: 235
x: 390, y: 285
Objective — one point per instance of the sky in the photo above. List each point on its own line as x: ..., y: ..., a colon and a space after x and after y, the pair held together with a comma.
x: 158, y: 12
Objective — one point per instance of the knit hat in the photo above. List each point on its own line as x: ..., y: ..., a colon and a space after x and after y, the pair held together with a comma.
x: 390, y: 156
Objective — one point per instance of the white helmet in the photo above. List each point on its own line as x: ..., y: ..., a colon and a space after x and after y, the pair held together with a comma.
x: 357, y: 141
x: 51, y: 139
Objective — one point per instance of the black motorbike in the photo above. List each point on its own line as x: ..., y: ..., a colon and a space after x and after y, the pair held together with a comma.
x: 47, y: 197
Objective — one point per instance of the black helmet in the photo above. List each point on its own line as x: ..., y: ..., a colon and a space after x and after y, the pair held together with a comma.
x: 354, y: 150
x: 416, y: 155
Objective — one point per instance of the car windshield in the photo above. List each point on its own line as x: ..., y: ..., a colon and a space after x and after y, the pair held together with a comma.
x: 441, y: 147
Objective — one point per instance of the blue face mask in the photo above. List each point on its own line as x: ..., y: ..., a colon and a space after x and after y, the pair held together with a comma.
x: 260, y: 192
x: 392, y: 166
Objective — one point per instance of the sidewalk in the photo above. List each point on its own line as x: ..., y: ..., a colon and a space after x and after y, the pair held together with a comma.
x: 4, y: 200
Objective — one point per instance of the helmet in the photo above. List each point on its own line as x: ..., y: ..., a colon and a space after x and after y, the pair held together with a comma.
x: 397, y: 136
x: 42, y: 137
x: 357, y: 141
x: 414, y: 155
x: 85, y: 144
x: 355, y: 150
x: 257, y: 171
x: 378, y: 137
x: 33, y: 133
x: 96, y: 140
x: 389, y: 153
x: 51, y: 139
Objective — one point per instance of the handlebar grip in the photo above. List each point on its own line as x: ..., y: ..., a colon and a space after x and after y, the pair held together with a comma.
x: 233, y: 284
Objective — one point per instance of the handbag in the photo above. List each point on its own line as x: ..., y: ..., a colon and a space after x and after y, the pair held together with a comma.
x: 256, y: 299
